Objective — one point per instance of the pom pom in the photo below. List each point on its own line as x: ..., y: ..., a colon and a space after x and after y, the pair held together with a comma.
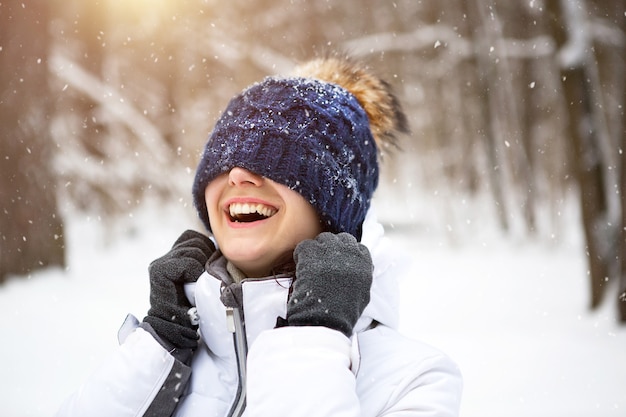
x: 382, y: 107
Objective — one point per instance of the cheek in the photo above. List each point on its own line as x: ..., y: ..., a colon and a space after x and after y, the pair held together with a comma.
x: 306, y: 223
x: 211, y: 198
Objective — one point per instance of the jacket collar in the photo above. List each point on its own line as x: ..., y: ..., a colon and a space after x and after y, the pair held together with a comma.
x: 263, y: 300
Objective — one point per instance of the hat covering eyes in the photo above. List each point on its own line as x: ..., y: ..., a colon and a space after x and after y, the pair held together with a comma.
x: 318, y: 133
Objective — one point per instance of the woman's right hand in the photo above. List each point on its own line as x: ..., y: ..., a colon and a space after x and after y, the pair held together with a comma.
x: 169, y: 309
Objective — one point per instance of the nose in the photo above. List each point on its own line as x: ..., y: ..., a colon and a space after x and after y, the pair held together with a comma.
x: 241, y: 177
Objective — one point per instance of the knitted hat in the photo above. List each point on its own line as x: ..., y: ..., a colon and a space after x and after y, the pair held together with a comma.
x: 315, y: 132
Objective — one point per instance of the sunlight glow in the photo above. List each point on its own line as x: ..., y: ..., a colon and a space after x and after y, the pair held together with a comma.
x: 141, y: 9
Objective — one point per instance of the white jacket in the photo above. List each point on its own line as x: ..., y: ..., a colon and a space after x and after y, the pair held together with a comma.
x: 291, y: 371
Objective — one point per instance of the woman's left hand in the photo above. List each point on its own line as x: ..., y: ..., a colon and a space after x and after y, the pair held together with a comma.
x: 332, y: 285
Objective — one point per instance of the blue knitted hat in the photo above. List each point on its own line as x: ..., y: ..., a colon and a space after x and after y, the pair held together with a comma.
x: 310, y: 135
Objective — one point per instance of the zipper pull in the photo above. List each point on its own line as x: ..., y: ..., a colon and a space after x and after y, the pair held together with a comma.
x: 193, y: 316
x: 230, y: 319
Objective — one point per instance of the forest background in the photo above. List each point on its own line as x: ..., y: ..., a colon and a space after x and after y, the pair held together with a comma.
x: 108, y: 103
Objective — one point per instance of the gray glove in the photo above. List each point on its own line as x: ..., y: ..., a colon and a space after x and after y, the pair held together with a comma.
x: 168, y: 314
x: 332, y: 284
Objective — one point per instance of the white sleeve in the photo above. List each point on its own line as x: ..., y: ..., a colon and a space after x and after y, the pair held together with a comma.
x: 294, y: 370
x: 129, y: 382
x: 300, y: 371
x: 401, y: 376
x: 433, y: 390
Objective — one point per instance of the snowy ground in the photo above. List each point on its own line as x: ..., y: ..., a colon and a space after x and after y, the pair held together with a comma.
x: 511, y: 312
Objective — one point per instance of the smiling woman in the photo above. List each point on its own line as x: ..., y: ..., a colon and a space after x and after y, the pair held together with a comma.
x: 297, y: 276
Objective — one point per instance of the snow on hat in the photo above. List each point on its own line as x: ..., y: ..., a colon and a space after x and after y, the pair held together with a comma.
x: 316, y: 132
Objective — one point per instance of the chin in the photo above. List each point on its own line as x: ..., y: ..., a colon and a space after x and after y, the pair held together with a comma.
x: 244, y: 258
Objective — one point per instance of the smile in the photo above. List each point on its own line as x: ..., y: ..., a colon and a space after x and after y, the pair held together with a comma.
x: 250, y: 212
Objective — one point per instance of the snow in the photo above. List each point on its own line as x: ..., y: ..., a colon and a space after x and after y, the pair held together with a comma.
x: 510, y: 311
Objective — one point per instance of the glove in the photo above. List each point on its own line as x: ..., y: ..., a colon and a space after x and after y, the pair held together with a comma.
x: 332, y: 285
x: 168, y: 314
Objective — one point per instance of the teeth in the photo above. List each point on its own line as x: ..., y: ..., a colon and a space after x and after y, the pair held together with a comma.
x: 251, y: 208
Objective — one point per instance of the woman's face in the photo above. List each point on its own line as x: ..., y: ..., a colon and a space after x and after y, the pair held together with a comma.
x: 256, y: 221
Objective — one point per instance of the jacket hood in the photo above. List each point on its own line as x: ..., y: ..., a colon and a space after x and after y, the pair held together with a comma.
x: 389, y: 264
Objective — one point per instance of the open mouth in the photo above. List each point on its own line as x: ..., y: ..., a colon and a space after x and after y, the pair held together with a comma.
x: 250, y: 212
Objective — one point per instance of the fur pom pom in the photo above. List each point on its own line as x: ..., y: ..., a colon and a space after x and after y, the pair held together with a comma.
x: 383, y: 109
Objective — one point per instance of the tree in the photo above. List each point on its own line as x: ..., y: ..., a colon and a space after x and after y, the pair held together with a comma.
x: 585, y: 76
x: 31, y: 230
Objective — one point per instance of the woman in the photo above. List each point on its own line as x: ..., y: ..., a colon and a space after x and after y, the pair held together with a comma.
x: 295, y: 313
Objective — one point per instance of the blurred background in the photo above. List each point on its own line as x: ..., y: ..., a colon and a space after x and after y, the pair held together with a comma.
x: 107, y: 103
x: 516, y: 110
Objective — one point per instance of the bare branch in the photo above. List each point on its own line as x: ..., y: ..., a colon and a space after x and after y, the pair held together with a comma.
x: 435, y: 36
x: 113, y: 102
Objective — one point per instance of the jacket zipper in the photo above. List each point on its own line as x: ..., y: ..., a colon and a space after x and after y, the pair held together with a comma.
x: 236, y: 325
